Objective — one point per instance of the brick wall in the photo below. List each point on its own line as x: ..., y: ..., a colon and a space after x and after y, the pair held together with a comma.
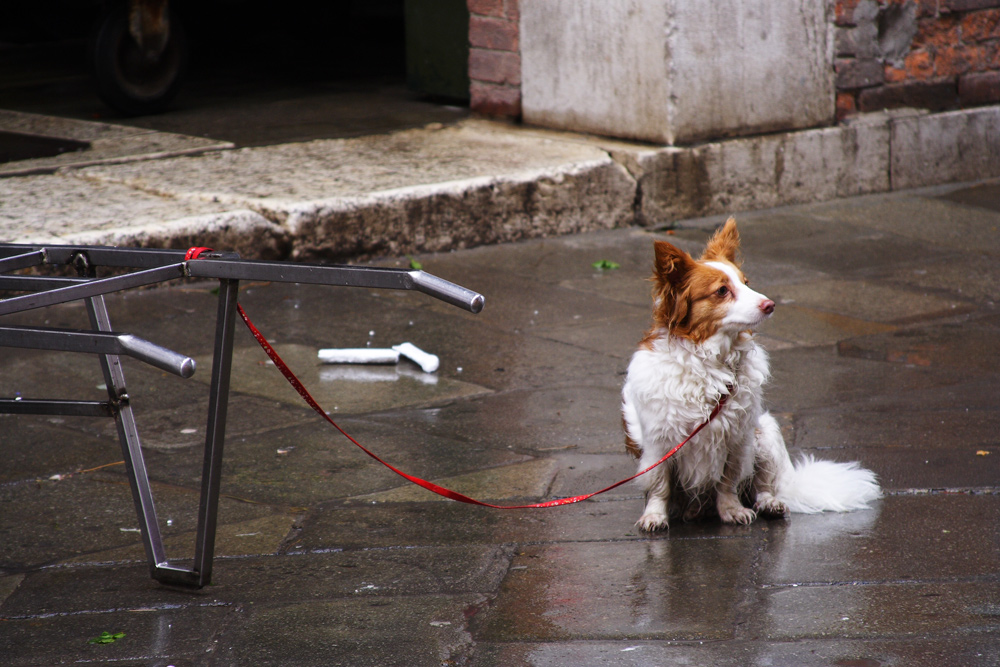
x: 495, y: 57
x: 931, y: 54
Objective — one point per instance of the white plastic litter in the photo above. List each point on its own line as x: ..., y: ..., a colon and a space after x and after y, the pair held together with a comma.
x: 428, y: 362
x: 359, y: 355
x: 371, y: 355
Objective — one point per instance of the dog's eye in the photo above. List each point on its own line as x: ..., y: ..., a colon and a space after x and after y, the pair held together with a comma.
x: 722, y: 291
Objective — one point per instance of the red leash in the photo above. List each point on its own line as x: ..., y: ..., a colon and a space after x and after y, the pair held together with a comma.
x: 193, y: 253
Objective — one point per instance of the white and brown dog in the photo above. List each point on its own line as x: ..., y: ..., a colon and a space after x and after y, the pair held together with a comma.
x: 699, y: 350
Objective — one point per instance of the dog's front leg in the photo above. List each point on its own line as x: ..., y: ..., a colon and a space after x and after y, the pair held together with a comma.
x: 770, y: 461
x: 727, y: 500
x: 654, y: 517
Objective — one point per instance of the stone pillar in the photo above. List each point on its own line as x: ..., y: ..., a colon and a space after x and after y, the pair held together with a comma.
x: 677, y: 71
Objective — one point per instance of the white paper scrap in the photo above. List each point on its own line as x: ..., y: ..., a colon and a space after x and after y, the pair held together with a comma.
x: 428, y: 362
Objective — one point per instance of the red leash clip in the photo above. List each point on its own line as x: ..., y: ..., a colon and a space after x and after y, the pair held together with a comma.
x: 195, y: 252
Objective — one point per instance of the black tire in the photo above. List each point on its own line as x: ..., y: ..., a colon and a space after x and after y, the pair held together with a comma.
x: 126, y: 80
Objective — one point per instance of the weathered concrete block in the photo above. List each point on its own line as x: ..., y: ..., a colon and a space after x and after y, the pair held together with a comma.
x: 245, y: 232
x: 676, y: 71
x: 586, y: 196
x: 945, y: 147
x: 760, y: 172
x: 859, y: 73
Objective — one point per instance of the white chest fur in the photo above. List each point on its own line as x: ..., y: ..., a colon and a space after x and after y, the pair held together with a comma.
x: 673, y: 386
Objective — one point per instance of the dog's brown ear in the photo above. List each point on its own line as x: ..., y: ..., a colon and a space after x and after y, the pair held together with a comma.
x: 670, y: 306
x: 671, y: 264
x: 724, y: 244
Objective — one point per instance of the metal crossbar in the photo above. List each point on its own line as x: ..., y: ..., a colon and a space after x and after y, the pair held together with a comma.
x: 143, y: 267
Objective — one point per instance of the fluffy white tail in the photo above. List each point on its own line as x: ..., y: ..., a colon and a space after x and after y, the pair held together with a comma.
x: 813, y: 485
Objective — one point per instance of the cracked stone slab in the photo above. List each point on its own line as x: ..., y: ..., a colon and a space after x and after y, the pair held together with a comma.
x: 62, y: 209
x: 108, y: 143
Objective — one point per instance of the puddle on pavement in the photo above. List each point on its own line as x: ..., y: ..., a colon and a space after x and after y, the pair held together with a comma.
x: 968, y: 346
x: 520, y: 480
x: 983, y: 195
x: 339, y: 388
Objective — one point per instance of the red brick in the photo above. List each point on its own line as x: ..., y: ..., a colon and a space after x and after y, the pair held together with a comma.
x: 844, y: 12
x: 938, y: 32
x: 936, y: 96
x: 968, y: 5
x: 487, y: 8
x: 927, y: 8
x: 514, y: 10
x: 488, y: 33
x: 493, y: 100
x: 894, y: 74
x: 919, y: 65
x: 979, y: 88
x: 495, y: 66
x: 846, y: 105
x: 951, y: 61
x: 980, y: 26
x: 855, y: 73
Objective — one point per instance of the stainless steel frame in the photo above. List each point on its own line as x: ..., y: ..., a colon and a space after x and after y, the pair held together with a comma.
x: 147, y: 267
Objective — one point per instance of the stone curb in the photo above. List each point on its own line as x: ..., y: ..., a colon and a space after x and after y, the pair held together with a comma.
x: 483, y: 182
x: 874, y: 153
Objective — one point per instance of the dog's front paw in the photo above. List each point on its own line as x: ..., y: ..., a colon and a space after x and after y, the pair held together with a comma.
x: 769, y: 506
x: 652, y: 521
x: 741, y: 515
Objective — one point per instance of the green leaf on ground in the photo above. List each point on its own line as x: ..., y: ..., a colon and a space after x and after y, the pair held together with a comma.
x: 606, y: 264
x: 106, y: 638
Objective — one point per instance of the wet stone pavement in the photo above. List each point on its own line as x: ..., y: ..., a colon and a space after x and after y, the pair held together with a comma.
x: 885, y: 348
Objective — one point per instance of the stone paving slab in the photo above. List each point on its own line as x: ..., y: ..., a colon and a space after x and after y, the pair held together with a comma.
x: 59, y: 520
x: 878, y: 611
x: 588, y: 590
x: 905, y: 539
x: 153, y: 635
x: 803, y: 653
x: 107, y: 143
x: 369, y: 195
x: 345, y: 632
x: 83, y: 206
